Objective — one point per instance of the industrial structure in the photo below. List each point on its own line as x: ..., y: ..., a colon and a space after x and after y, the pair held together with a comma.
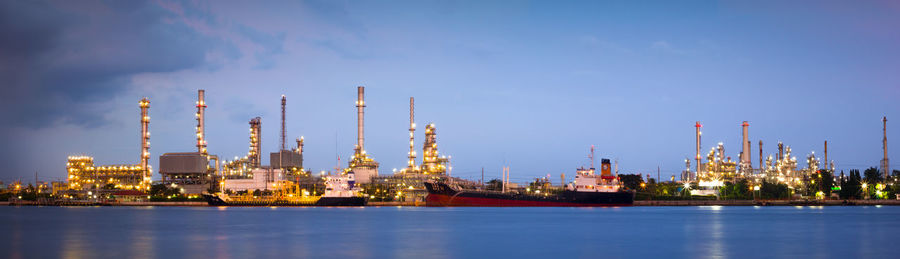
x: 885, y: 163
x: 248, y: 174
x: 190, y: 171
x: 745, y: 165
x: 432, y: 163
x: 360, y: 163
x: 290, y: 161
x: 782, y: 167
x: 83, y: 175
x: 411, y: 165
x: 409, y: 181
x: 240, y: 168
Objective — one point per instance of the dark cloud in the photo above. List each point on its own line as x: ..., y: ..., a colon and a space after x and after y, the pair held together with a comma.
x: 60, y: 60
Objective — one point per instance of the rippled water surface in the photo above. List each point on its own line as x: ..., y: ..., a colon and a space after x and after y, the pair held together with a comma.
x: 416, y: 232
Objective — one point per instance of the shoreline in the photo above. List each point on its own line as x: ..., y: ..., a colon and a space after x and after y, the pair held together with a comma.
x: 639, y: 203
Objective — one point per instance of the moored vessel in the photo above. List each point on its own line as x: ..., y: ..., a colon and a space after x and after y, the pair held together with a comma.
x: 588, y: 190
x: 340, y: 190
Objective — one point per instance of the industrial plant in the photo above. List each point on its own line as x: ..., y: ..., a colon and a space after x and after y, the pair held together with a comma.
x: 781, y: 167
x: 83, y: 175
x: 197, y: 172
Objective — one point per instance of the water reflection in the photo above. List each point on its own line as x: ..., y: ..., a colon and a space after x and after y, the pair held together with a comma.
x: 409, y: 232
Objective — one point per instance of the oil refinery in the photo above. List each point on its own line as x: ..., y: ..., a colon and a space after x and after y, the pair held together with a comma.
x: 781, y: 167
x: 199, y: 172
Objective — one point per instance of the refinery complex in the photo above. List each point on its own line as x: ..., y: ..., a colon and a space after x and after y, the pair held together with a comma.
x: 781, y: 167
x: 196, y: 172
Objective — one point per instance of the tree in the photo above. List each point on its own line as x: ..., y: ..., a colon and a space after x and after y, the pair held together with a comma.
x: 873, y: 176
x: 825, y: 181
x: 109, y: 186
x: 851, y: 185
x: 631, y: 181
x: 737, y: 191
x: 774, y: 190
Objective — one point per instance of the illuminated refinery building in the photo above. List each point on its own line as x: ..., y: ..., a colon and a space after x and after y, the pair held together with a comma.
x: 83, y: 175
x: 432, y: 163
x: 240, y: 168
x: 289, y: 161
x: 718, y: 167
x: 191, y: 171
x: 783, y: 168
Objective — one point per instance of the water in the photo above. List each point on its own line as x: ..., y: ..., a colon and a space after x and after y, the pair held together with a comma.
x: 416, y: 232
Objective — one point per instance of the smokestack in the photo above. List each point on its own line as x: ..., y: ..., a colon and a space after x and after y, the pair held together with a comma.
x: 697, y: 173
x: 826, y: 156
x: 412, y: 131
x: 145, y: 139
x: 885, y: 162
x: 761, y: 166
x: 283, y: 135
x: 745, y: 150
x: 255, y: 155
x: 201, y: 108
x: 360, y: 105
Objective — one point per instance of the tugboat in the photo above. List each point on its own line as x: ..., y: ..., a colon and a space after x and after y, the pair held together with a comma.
x: 588, y: 190
x: 339, y: 191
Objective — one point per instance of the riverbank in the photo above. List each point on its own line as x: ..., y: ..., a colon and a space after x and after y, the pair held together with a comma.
x: 415, y: 204
x: 768, y: 203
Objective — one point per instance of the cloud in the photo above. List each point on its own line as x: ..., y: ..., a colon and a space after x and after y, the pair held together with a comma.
x: 667, y: 47
x: 65, y: 60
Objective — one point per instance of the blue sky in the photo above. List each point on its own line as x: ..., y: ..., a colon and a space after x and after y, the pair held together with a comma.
x: 530, y: 85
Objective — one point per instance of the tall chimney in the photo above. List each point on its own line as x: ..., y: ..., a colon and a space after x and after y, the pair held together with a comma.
x: 283, y: 135
x: 360, y: 105
x: 885, y: 162
x: 745, y: 145
x: 201, y: 108
x: 825, y: 165
x: 761, y: 166
x: 412, y: 131
x: 697, y: 158
x: 145, y: 140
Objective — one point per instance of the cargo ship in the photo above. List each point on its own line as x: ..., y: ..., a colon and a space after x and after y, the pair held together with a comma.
x: 339, y: 191
x: 588, y: 190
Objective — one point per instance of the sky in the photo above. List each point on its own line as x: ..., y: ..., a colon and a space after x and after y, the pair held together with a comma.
x: 529, y: 85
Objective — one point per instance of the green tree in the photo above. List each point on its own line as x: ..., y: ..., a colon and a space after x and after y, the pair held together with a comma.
x: 825, y: 181
x: 851, y: 185
x: 631, y: 181
x: 873, y: 176
x: 774, y: 190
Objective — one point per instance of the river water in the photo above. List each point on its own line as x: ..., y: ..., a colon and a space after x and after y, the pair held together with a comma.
x: 418, y: 232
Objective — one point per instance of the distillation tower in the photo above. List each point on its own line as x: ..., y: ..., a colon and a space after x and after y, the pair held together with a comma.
x: 431, y: 162
x: 411, y: 164
x: 145, y: 143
